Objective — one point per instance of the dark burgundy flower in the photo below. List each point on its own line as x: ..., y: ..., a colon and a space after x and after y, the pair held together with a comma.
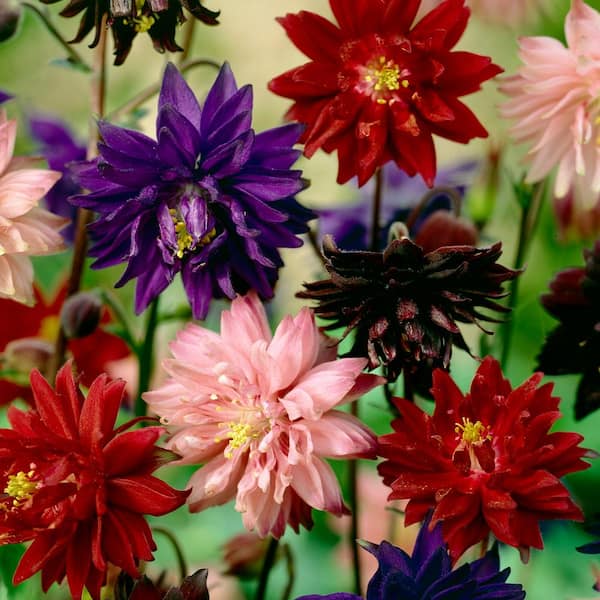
x: 484, y: 461
x: 59, y: 148
x: 127, y: 18
x: 404, y: 304
x: 78, y: 487
x: 574, y: 345
x: 210, y: 199
x: 377, y: 87
x: 193, y: 587
x: 30, y: 331
x: 428, y: 574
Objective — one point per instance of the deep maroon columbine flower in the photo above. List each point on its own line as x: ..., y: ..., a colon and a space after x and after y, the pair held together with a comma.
x: 428, y: 574
x: 574, y: 345
x: 484, y: 461
x: 404, y: 304
x: 378, y: 88
x: 192, y: 587
x: 59, y: 148
x: 79, y: 488
x: 127, y: 18
x: 211, y: 199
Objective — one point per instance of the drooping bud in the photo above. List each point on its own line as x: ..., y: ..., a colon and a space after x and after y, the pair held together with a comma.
x: 25, y: 354
x: 10, y: 13
x: 244, y: 554
x: 80, y: 314
x: 443, y: 228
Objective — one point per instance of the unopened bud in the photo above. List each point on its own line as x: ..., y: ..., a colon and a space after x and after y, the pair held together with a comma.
x: 10, y: 12
x: 25, y: 354
x: 443, y: 228
x: 80, y: 314
x: 244, y: 554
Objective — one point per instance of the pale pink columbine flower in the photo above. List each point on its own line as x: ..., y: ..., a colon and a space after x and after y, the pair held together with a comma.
x: 258, y: 410
x: 554, y: 99
x: 25, y: 229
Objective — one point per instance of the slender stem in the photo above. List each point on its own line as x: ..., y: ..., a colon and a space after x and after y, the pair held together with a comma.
x: 187, y: 40
x: 291, y: 572
x: 409, y: 392
x: 529, y: 219
x: 97, y: 100
x: 153, y: 89
x: 74, y: 57
x: 314, y: 243
x: 376, y: 212
x: 146, y: 357
x: 266, y: 569
x: 183, y: 568
x: 118, y: 312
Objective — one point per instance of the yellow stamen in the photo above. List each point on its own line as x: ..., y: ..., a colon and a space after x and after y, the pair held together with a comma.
x: 20, y: 487
x: 239, y: 434
x: 387, y: 77
x: 185, y: 241
x: 472, y: 433
x: 143, y: 23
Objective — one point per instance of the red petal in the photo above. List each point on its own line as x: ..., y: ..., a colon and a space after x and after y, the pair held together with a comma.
x: 399, y: 15
x: 42, y: 549
x: 78, y: 560
x: 132, y: 451
x: 317, y: 37
x: 449, y: 18
x: 144, y: 494
x: 464, y: 72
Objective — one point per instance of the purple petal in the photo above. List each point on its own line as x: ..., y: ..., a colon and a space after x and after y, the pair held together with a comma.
x: 176, y: 92
x: 222, y: 89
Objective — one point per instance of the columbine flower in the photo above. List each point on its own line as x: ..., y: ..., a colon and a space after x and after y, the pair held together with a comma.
x: 27, y: 339
x: 428, y: 574
x: 258, y: 410
x: 127, y: 18
x: 4, y: 97
x: 193, y: 587
x: 377, y: 89
x: 404, y: 304
x: 59, y: 148
x: 211, y: 199
x: 574, y: 345
x: 350, y: 226
x: 77, y: 487
x: 554, y: 100
x: 484, y: 461
x: 508, y: 12
x: 25, y: 229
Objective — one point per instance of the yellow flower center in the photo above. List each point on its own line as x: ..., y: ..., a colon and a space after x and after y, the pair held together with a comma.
x: 143, y: 23
x: 472, y: 433
x: 384, y: 76
x: 239, y: 434
x: 185, y: 241
x: 20, y: 487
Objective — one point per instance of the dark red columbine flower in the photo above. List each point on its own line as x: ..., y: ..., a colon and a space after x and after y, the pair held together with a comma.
x: 193, y: 587
x: 573, y: 346
x: 28, y: 334
x: 79, y: 488
x: 404, y: 304
x: 377, y: 88
x: 484, y: 461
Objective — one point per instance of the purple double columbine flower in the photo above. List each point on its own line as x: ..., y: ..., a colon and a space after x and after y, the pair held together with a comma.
x: 210, y: 199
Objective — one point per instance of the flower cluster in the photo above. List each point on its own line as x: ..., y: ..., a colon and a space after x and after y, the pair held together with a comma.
x: 78, y: 487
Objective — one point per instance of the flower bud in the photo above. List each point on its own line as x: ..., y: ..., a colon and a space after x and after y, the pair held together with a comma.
x: 80, y: 314
x: 25, y: 354
x: 10, y: 13
x: 443, y: 228
x: 243, y: 554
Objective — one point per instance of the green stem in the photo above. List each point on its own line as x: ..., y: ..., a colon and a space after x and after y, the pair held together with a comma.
x: 187, y: 40
x: 376, y: 212
x: 183, y: 569
x: 291, y: 574
x: 84, y: 216
x: 529, y: 220
x: 118, y: 312
x: 146, y: 358
x: 73, y: 56
x: 267, y: 566
x: 152, y: 90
